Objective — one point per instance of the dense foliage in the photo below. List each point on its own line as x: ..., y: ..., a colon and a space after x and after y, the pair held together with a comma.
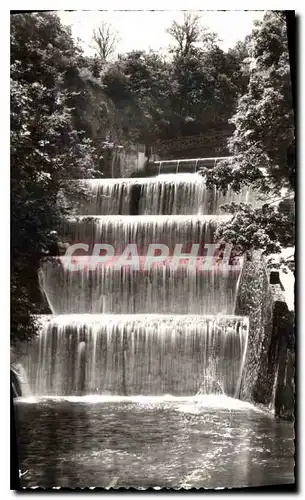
x: 263, y: 140
x: 266, y: 229
x: 187, y: 91
x: 262, y: 144
x: 46, y: 150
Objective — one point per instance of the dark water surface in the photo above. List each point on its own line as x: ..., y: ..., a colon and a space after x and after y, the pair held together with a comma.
x: 143, y: 442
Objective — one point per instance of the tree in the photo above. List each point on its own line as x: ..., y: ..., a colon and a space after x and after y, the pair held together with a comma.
x: 139, y: 84
x: 106, y: 40
x: 267, y: 229
x: 46, y: 152
x: 160, y: 98
x: 206, y: 81
x: 242, y: 53
x: 263, y: 141
x: 262, y: 146
x: 189, y: 33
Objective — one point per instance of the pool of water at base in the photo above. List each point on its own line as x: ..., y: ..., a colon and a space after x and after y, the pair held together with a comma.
x: 208, y: 442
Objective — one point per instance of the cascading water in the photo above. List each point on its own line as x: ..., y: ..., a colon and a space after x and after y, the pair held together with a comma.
x: 121, y: 291
x: 164, y: 330
x: 120, y: 230
x: 137, y: 354
x: 162, y: 289
x: 167, y: 194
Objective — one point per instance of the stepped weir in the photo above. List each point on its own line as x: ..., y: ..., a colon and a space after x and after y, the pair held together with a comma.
x: 138, y: 354
x: 162, y: 330
x: 164, y: 194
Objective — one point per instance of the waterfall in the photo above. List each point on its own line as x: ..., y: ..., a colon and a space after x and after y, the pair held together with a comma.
x: 137, y: 354
x: 136, y: 331
x: 120, y: 230
x: 167, y: 194
x: 164, y: 289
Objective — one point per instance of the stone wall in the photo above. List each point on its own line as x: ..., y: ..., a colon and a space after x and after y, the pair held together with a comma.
x: 268, y: 377
x: 131, y: 159
x: 254, y: 299
x: 208, y: 144
x: 122, y: 161
x: 282, y: 355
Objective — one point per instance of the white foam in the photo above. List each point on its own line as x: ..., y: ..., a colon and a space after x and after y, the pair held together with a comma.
x: 159, y: 179
x: 105, y: 319
x: 186, y: 404
x: 150, y: 219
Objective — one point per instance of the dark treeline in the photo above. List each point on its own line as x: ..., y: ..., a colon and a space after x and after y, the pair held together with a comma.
x: 188, y: 91
x: 67, y: 109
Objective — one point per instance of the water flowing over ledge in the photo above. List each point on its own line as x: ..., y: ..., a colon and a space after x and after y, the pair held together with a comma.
x: 168, y: 194
x: 120, y: 230
x: 137, y: 355
x: 159, y: 290
x: 150, y: 219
